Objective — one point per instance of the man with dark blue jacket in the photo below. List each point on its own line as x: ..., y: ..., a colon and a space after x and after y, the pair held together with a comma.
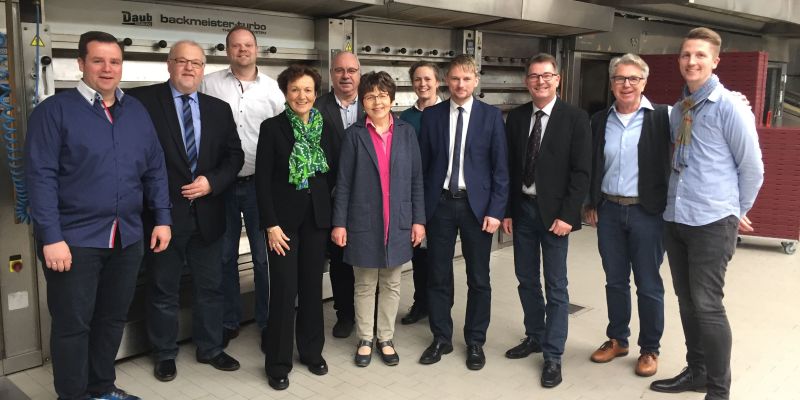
x: 92, y: 156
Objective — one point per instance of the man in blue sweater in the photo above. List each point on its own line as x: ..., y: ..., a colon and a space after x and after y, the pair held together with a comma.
x: 92, y: 157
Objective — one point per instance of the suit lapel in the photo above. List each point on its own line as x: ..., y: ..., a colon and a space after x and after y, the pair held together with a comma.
x: 205, y: 131
x: 171, y: 115
x: 334, y: 114
x: 287, y: 130
x: 476, y: 113
x: 553, y: 126
x: 366, y: 140
x: 523, y: 133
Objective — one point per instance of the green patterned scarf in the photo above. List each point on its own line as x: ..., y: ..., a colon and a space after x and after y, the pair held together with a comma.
x: 307, y: 157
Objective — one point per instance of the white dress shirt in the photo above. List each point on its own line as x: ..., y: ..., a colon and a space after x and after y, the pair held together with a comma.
x: 453, y: 120
x: 548, y: 109
x: 251, y: 104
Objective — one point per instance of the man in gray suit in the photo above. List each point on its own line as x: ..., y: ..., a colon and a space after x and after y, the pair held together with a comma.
x: 342, y: 109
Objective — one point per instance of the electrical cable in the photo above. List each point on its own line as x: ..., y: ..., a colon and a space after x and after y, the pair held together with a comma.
x: 12, y: 145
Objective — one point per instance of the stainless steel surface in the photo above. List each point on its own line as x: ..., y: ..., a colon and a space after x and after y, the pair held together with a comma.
x: 19, y: 307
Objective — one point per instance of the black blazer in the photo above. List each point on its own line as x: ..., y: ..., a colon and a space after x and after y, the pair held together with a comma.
x: 219, y: 158
x: 326, y: 104
x: 563, y: 167
x: 654, y: 158
x: 279, y: 202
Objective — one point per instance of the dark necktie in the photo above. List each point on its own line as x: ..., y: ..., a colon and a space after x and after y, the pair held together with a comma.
x: 188, y: 133
x: 453, y: 186
x: 532, y: 152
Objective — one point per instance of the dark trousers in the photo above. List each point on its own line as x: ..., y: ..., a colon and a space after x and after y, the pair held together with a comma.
x: 240, y: 200
x: 454, y: 216
x: 629, y: 238
x: 88, y: 308
x: 419, y: 262
x: 698, y: 259
x: 165, y: 269
x: 545, y: 322
x: 297, y: 275
x: 342, y: 283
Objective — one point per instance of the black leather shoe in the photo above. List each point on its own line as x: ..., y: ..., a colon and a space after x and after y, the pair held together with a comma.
x: 343, y: 328
x: 529, y: 345
x: 227, y: 335
x: 280, y: 383
x: 222, y: 362
x: 434, y: 352
x: 165, y: 370
x: 317, y: 368
x: 362, y: 360
x: 415, y: 314
x: 684, y: 382
x: 475, y: 357
x: 388, y: 359
x: 551, y: 374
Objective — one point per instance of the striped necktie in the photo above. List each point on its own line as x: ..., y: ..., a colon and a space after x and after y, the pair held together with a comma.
x: 188, y: 133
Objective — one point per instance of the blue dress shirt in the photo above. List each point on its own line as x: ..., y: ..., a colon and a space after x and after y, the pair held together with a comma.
x: 195, y: 106
x: 621, y: 177
x: 724, y: 171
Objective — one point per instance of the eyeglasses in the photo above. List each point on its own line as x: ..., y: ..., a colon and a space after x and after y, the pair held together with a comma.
x: 372, y: 98
x: 340, y: 70
x: 547, y: 76
x: 182, y: 62
x: 620, y: 80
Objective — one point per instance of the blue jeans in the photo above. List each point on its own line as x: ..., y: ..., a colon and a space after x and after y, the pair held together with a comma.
x: 241, y: 200
x: 89, y: 307
x: 629, y: 238
x: 545, y: 322
x: 698, y: 260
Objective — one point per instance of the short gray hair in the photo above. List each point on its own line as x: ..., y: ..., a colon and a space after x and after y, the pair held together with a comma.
x: 628, y: 59
x: 185, y: 42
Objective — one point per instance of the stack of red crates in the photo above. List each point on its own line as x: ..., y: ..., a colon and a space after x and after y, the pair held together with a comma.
x: 776, y: 213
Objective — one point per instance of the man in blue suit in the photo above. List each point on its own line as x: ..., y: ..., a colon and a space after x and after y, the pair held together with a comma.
x: 464, y: 163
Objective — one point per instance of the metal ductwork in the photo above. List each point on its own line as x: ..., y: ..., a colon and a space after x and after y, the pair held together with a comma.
x: 766, y: 17
x: 538, y: 17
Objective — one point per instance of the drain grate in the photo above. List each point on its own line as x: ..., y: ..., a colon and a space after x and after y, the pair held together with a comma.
x: 576, y: 310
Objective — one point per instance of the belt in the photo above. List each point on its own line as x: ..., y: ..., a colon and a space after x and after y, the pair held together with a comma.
x: 243, y: 179
x: 621, y: 200
x: 461, y: 194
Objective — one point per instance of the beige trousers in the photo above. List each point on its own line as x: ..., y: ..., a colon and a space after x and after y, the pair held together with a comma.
x: 387, y: 283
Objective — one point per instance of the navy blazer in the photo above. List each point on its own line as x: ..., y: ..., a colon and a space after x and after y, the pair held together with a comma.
x: 358, y: 201
x: 485, y: 158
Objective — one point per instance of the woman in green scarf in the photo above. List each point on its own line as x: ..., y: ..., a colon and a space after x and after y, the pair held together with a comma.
x: 294, y: 178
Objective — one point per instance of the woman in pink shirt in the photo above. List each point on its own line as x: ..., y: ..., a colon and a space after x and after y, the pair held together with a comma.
x: 379, y: 211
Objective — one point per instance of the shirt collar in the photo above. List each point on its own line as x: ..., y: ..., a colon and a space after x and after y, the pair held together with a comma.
x: 438, y: 100
x: 229, y: 72
x: 467, y: 105
x: 355, y: 101
x: 643, y: 103
x: 391, y: 123
x: 176, y: 93
x: 90, y: 94
x: 548, y: 108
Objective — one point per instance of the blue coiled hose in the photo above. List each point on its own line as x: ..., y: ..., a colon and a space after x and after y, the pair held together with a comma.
x: 15, y: 159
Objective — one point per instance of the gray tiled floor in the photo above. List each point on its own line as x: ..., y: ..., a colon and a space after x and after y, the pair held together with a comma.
x: 762, y: 301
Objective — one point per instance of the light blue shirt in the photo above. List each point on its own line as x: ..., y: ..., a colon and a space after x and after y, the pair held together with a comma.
x: 195, y: 106
x: 724, y: 171
x: 349, y: 114
x: 621, y: 169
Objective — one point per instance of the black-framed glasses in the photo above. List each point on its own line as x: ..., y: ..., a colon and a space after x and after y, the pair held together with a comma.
x: 181, y: 62
x: 341, y: 71
x: 547, y: 76
x: 620, y: 80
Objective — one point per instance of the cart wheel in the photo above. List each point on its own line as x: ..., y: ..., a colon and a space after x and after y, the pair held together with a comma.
x: 789, y: 247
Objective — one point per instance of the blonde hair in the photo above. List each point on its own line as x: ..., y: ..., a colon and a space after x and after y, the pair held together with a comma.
x: 707, y: 35
x: 465, y: 62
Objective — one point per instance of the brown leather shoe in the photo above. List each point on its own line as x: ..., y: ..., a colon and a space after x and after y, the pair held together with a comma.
x: 608, y: 351
x: 647, y: 364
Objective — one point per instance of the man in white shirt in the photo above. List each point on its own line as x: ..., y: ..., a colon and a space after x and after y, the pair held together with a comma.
x: 253, y: 97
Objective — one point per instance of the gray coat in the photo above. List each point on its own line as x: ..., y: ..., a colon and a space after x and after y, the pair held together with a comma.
x: 358, y: 202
